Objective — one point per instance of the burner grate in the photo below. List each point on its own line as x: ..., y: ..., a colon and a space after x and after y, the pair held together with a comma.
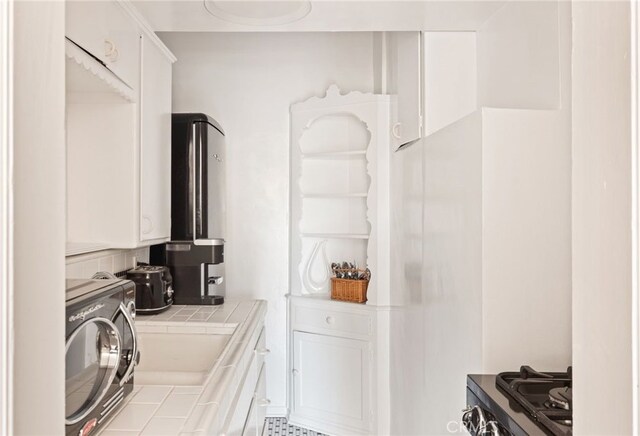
x: 530, y: 390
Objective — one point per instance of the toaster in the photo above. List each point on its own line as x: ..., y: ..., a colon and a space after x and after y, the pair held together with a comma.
x: 154, y: 288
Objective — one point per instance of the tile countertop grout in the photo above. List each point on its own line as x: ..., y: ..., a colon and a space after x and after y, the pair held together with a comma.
x: 168, y: 317
x: 147, y: 411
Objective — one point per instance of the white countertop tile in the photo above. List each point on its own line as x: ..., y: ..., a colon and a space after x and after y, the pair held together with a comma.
x: 160, y: 426
x: 163, y: 410
x: 177, y: 405
x: 187, y: 390
x: 151, y: 395
x: 133, y: 417
x: 197, y: 420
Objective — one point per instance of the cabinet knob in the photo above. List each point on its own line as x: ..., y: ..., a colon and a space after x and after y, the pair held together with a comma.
x: 395, y: 131
x: 329, y: 320
x: 264, y: 402
x: 110, y: 50
x: 147, y: 225
x: 263, y: 351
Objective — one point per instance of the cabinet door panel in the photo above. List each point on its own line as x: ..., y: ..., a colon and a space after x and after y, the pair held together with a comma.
x: 103, y: 29
x: 86, y: 25
x: 405, y: 82
x: 155, y: 144
x: 331, y: 381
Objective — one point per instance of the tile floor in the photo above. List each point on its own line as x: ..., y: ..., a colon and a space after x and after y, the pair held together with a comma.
x: 280, y: 427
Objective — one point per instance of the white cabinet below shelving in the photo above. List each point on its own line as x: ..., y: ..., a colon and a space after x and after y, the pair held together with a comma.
x: 331, y: 380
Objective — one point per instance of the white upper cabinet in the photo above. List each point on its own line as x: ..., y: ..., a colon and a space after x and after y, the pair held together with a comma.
x: 404, y: 82
x: 155, y: 143
x: 103, y: 29
x: 118, y: 129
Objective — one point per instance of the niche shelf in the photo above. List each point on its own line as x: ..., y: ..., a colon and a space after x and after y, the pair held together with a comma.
x: 339, y: 189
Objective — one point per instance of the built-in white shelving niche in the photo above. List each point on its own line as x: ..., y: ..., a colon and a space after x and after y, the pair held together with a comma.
x: 339, y: 189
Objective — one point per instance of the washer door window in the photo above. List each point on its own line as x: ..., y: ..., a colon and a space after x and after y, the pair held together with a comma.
x: 93, y: 353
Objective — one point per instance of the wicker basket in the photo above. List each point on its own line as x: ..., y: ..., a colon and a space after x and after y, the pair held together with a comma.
x: 354, y: 291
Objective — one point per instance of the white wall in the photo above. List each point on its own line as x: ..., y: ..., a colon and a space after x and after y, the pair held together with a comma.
x: 84, y: 266
x: 247, y: 82
x: 526, y: 250
x: 518, y: 56
x: 602, y: 261
x: 38, y: 218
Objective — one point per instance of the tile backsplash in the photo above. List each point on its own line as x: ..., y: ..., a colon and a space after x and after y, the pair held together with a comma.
x: 83, y: 266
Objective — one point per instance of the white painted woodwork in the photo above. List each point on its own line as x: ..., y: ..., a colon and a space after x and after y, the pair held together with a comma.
x: 602, y: 188
x: 404, y: 83
x: 337, y: 324
x: 6, y: 246
x: 87, y: 79
x: 118, y: 134
x: 334, y: 191
x: 102, y: 174
x: 519, y: 58
x: 248, y: 410
x: 329, y: 16
x: 37, y: 357
x: 241, y: 409
x: 104, y: 29
x: 450, y: 78
x: 331, y: 381
x: 254, y: 422
x: 155, y: 143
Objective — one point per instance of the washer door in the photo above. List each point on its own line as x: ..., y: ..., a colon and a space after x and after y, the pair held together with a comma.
x: 92, y: 356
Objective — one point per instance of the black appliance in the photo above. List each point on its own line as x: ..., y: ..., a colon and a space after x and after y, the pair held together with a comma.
x: 154, y: 288
x: 101, y: 351
x: 527, y: 402
x: 195, y: 254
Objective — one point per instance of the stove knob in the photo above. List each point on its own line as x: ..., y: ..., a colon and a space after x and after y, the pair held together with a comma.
x: 131, y: 307
x: 473, y: 419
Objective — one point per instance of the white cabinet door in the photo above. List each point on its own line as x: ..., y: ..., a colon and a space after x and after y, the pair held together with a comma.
x: 331, y: 380
x: 405, y: 82
x: 103, y: 29
x: 155, y: 144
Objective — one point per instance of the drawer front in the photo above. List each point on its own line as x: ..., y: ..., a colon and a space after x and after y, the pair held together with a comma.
x: 322, y: 320
x: 261, y: 400
x: 261, y: 350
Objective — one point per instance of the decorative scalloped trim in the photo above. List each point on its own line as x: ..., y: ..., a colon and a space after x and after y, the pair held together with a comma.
x: 94, y: 67
x: 333, y: 97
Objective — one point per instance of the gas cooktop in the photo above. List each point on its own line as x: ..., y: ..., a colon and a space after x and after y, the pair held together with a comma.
x: 510, y: 402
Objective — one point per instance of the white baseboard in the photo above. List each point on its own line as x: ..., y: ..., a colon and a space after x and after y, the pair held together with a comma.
x: 277, y: 411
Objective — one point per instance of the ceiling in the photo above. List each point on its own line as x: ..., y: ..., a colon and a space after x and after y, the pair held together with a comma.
x: 315, y: 15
